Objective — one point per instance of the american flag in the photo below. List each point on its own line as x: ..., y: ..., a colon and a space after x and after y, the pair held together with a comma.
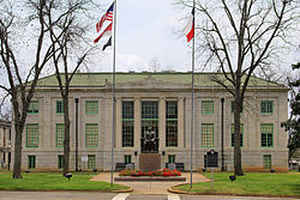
x: 108, y: 16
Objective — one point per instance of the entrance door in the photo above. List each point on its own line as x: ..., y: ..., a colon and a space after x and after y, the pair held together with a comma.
x: 149, y: 132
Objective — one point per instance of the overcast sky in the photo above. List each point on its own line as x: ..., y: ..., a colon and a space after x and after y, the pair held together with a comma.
x: 146, y: 30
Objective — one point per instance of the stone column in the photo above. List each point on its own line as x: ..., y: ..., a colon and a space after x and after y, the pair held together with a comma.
x: 137, y: 129
x: 118, y: 123
x: 162, y: 123
x: 180, y: 120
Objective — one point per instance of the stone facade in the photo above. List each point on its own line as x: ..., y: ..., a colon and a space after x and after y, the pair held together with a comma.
x: 158, y: 89
x: 5, y: 144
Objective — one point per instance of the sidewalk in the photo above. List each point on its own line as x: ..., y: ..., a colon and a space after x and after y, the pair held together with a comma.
x: 150, y: 187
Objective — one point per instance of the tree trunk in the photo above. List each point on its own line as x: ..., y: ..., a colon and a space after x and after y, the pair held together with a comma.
x: 18, y: 150
x: 238, y: 171
x: 67, y: 133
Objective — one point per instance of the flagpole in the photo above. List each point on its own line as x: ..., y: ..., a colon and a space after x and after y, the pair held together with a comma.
x: 113, y: 94
x: 192, y: 117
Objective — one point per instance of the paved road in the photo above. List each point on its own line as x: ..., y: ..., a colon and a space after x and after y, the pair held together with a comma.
x: 111, y: 196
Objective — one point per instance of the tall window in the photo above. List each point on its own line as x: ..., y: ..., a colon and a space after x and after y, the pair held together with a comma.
x: 207, y: 135
x: 266, y: 135
x: 91, y: 135
x: 60, y: 161
x: 171, y: 158
x: 32, y: 135
x: 150, y: 118
x: 91, y: 107
x: 59, y: 107
x: 171, y: 124
x: 33, y: 107
x: 127, y: 124
x: 31, y: 162
x: 232, y: 135
x: 60, y: 135
x: 266, y: 107
x: 207, y: 107
x: 91, y: 161
x: 267, y: 161
x: 127, y: 159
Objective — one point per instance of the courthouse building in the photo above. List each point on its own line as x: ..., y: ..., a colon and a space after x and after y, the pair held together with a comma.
x: 161, y: 103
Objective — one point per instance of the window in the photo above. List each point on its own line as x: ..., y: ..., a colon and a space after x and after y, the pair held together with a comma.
x: 267, y: 161
x: 127, y: 159
x: 33, y: 107
x: 171, y: 124
x: 150, y: 120
x: 60, y: 135
x: 60, y: 161
x: 32, y: 135
x: 127, y: 124
x: 91, y: 133
x: 207, y: 107
x: 266, y: 135
x: 171, y: 158
x: 59, y: 107
x: 91, y: 107
x: 266, y: 107
x: 91, y: 161
x: 233, y: 107
x: 207, y: 135
x: 31, y: 162
x: 232, y: 135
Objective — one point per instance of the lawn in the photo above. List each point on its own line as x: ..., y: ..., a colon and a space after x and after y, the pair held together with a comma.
x: 55, y: 181
x: 264, y: 184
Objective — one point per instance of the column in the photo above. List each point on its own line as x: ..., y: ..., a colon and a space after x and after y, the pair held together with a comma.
x: 118, y: 123
x: 137, y: 124
x: 162, y: 123
x: 181, y: 122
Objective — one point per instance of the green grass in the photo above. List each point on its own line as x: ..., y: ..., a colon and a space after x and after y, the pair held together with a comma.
x: 55, y: 181
x: 251, y: 184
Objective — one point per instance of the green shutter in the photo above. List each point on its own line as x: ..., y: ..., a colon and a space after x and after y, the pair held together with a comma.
x: 207, y: 107
x: 127, y: 159
x: 171, y: 158
x: 33, y: 107
x: 60, y: 135
x: 266, y: 107
x: 267, y: 161
x: 207, y: 135
x: 31, y: 162
x: 59, y: 107
x: 60, y: 161
x: 32, y: 135
x: 91, y: 107
x: 266, y: 135
x: 91, y: 135
x: 91, y: 161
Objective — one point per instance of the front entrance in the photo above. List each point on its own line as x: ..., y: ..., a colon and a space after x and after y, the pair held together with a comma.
x: 149, y: 132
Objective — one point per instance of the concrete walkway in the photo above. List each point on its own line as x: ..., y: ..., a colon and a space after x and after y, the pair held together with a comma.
x: 151, y: 187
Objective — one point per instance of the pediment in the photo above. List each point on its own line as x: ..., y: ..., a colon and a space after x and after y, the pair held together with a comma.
x: 151, y: 83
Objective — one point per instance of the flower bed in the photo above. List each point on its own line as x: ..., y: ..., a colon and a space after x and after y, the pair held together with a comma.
x: 161, y: 172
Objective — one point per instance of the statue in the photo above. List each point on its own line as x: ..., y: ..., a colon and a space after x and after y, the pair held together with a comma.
x: 150, y: 140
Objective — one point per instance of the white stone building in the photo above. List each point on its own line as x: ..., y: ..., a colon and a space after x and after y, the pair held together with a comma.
x: 162, y: 102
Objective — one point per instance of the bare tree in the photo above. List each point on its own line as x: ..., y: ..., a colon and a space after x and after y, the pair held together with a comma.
x: 22, y: 84
x: 72, y: 36
x: 154, y: 64
x: 241, y: 38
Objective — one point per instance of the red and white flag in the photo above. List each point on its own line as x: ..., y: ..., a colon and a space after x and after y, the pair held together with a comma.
x: 190, y: 27
x: 108, y: 16
x: 106, y: 32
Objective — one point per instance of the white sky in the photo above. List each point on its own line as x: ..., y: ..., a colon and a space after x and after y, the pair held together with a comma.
x: 146, y: 30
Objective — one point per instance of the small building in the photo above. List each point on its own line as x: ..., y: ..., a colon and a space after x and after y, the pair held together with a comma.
x: 5, y: 144
x: 161, y: 103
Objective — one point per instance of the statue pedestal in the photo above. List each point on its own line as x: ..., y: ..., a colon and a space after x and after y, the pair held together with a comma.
x: 150, y: 161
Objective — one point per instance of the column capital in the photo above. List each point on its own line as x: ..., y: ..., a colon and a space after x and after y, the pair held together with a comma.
x: 181, y: 98
x: 162, y: 98
x: 137, y: 98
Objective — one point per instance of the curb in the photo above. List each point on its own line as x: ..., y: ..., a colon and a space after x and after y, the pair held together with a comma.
x: 123, y: 191
x: 176, y: 191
